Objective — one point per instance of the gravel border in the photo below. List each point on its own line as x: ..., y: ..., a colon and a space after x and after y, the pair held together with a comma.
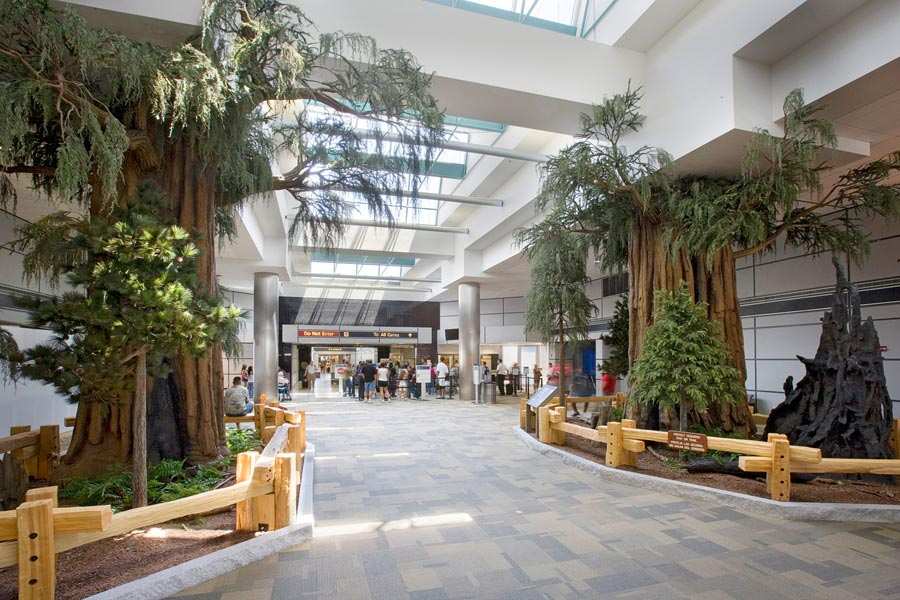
x: 794, y: 511
x: 170, y: 581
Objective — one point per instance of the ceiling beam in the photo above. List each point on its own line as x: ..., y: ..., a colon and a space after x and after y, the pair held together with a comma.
x: 375, y: 288
x: 462, y: 147
x: 477, y: 200
x: 366, y: 277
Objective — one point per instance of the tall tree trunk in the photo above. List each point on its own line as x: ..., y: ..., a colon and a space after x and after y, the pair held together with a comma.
x: 652, y: 265
x: 139, y: 430
x: 103, y: 430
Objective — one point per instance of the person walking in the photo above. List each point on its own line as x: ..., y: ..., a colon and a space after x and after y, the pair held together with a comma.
x: 514, y: 374
x: 359, y: 379
x: 502, y: 372
x: 384, y: 377
x: 441, y: 371
x: 538, y: 377
x: 369, y: 373
x: 250, y: 381
x: 311, y: 376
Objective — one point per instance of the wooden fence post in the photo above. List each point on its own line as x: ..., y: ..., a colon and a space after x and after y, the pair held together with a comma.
x: 778, y: 480
x: 263, y: 507
x: 628, y: 458
x: 896, y: 438
x: 545, y: 435
x: 37, y: 553
x: 43, y: 493
x: 28, y: 464
x: 295, y: 444
x: 260, y: 418
x: 557, y: 415
x: 243, y: 510
x: 285, y: 489
x: 523, y: 413
x: 614, y: 443
x: 303, y: 428
x: 48, y: 451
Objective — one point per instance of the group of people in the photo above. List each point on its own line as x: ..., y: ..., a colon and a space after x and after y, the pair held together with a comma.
x: 389, y: 380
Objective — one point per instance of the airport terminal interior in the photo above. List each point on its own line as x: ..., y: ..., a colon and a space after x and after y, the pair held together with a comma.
x: 437, y: 299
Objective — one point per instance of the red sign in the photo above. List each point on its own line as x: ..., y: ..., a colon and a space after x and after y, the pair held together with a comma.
x: 317, y: 333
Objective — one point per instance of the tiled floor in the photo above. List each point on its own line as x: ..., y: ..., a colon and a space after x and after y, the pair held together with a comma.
x: 440, y: 500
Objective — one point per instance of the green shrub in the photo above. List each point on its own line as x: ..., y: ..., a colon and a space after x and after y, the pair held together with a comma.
x: 167, y: 480
x: 684, y: 359
x: 242, y: 440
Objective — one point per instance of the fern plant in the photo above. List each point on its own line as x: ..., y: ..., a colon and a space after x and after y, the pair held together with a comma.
x: 684, y: 363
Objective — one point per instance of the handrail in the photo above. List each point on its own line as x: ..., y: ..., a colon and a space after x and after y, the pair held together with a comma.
x: 145, y: 516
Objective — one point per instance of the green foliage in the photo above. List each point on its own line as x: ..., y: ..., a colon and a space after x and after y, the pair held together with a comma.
x: 616, y: 363
x: 242, y: 440
x: 557, y: 302
x: 75, y: 100
x: 684, y: 358
x: 599, y: 189
x: 167, y: 480
x: 616, y: 413
x: 136, y: 292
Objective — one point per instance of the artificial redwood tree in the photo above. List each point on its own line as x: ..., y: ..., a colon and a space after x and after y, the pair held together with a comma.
x: 558, y: 309
x: 91, y: 116
x: 670, y: 230
x: 134, y: 301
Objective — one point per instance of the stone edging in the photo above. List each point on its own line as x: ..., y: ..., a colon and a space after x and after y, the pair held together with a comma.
x: 203, y: 568
x: 795, y: 511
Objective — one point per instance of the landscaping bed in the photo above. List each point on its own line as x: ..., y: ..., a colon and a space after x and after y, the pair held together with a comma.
x: 105, y: 564
x: 820, y: 489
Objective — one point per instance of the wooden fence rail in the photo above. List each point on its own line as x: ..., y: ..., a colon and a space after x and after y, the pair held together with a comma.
x: 265, y: 495
x: 775, y: 457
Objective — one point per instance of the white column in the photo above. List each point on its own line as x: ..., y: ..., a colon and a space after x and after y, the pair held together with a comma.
x: 469, y: 337
x: 265, y: 335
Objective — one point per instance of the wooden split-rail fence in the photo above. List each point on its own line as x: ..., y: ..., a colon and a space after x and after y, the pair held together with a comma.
x: 265, y: 495
x: 776, y: 456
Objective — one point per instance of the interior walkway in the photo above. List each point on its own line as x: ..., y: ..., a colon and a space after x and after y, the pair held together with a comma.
x: 440, y: 500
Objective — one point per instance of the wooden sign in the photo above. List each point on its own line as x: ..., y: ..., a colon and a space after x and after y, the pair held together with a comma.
x: 686, y: 440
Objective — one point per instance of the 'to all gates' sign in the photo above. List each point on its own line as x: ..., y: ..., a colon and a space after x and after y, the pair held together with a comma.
x: 686, y: 440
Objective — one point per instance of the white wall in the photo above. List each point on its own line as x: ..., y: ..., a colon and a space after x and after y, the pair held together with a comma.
x: 28, y: 402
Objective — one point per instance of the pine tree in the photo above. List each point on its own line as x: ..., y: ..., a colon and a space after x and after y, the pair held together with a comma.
x: 616, y: 364
x: 135, y: 302
x: 91, y: 116
x: 558, y: 308
x: 684, y: 363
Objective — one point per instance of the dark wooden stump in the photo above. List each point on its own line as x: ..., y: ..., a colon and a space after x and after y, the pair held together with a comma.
x: 842, y: 404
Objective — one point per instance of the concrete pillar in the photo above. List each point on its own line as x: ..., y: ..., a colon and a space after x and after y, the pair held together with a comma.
x: 469, y: 337
x: 265, y: 335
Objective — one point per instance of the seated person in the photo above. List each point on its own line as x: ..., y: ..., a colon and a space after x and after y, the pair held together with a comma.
x: 237, y: 400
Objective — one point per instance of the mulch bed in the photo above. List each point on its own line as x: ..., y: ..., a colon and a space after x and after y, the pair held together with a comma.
x: 839, y: 489
x: 93, y: 568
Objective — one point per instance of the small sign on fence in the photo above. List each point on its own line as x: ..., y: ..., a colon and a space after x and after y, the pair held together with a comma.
x: 687, y: 440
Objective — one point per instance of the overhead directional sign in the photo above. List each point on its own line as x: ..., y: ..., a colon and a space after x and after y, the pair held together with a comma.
x: 380, y: 334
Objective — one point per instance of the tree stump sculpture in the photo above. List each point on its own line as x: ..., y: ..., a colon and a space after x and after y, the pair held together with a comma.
x: 842, y: 404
